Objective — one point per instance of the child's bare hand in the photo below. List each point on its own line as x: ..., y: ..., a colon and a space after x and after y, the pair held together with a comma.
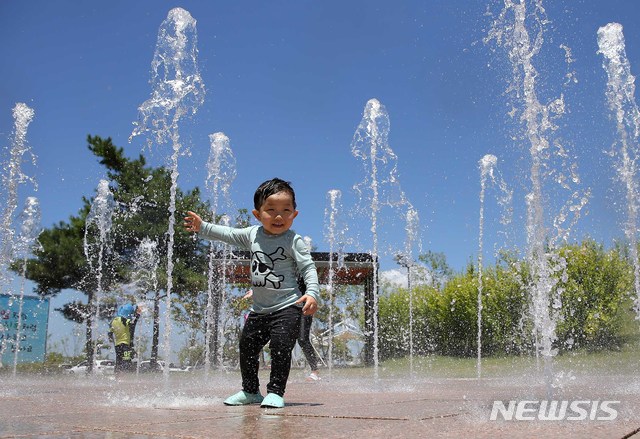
x: 192, y: 222
x: 310, y: 305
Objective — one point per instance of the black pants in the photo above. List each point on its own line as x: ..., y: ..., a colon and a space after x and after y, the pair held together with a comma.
x: 305, y: 342
x: 124, y: 355
x: 281, y: 330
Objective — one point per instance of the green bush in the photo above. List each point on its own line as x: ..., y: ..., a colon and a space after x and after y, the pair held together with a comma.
x: 595, y: 300
x: 595, y: 313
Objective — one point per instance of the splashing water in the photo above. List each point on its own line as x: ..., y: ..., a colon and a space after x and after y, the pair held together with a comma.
x: 145, y: 280
x: 97, y: 244
x: 12, y: 177
x: 413, y: 229
x: 221, y: 172
x: 177, y: 87
x: 27, y: 242
x: 510, y: 31
x: 379, y: 188
x: 487, y: 165
x: 308, y: 242
x: 177, y: 91
x: 334, y: 236
x: 219, y: 283
x: 620, y: 93
x: 30, y: 228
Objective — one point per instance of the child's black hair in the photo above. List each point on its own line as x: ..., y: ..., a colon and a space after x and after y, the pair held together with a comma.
x: 270, y: 187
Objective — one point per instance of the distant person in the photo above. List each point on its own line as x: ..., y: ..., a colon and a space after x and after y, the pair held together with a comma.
x: 307, y: 348
x: 121, y: 333
x: 304, y: 341
x: 278, y: 254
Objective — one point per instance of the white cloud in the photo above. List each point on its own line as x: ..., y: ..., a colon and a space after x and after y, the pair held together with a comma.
x: 394, y: 277
x: 398, y: 277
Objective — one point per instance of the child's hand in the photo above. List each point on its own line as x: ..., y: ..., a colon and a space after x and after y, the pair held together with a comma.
x: 192, y: 222
x: 310, y: 305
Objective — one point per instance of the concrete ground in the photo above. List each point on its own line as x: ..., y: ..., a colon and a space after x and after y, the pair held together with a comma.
x: 346, y: 404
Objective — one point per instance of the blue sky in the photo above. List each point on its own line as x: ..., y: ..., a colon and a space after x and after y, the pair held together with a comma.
x: 287, y: 82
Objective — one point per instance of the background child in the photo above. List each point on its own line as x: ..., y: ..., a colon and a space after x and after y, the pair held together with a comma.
x: 304, y: 340
x: 121, y: 333
x: 278, y: 257
x: 309, y: 351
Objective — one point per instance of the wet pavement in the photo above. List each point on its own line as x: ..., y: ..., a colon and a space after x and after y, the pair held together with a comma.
x: 346, y: 404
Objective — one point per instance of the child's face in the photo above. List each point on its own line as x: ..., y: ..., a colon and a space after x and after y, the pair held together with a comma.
x: 277, y: 213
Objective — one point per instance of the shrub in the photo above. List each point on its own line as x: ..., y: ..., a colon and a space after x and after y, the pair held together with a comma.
x: 595, y: 311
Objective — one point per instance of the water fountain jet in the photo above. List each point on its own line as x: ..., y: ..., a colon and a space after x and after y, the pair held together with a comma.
x: 27, y: 241
x: 177, y: 92
x: 487, y: 167
x: 11, y: 179
x: 621, y: 96
x: 380, y: 188
x: 334, y: 236
x: 96, y: 247
x: 412, y: 228
x: 511, y: 31
x: 221, y: 172
x: 145, y: 279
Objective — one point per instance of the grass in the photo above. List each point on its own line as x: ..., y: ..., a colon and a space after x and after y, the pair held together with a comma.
x: 607, y: 362
x: 623, y: 361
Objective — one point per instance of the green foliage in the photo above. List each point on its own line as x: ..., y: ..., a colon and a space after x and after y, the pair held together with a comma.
x: 437, y: 264
x: 394, y: 324
x: 59, y: 262
x: 452, y: 315
x: 505, y: 326
x: 142, y: 202
x: 595, y: 299
x: 191, y: 355
x: 341, y: 353
x: 595, y: 312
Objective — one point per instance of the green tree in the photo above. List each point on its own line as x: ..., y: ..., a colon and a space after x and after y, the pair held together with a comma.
x: 595, y: 313
x: 595, y: 300
x: 59, y: 263
x: 437, y: 265
x: 141, y: 194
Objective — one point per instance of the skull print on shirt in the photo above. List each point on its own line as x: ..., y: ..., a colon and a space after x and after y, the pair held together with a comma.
x: 262, y: 265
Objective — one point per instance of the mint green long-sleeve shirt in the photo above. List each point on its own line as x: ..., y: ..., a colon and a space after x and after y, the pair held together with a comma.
x: 276, y: 263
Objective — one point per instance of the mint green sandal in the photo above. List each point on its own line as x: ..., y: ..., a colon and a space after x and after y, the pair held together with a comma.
x: 272, y: 401
x: 243, y: 398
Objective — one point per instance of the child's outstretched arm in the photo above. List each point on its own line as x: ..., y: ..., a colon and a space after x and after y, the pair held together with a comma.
x: 310, y: 305
x: 192, y: 222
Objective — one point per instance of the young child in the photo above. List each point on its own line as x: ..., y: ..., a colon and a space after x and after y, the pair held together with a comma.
x: 278, y: 257
x: 121, y: 333
x: 304, y: 340
x: 307, y: 348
